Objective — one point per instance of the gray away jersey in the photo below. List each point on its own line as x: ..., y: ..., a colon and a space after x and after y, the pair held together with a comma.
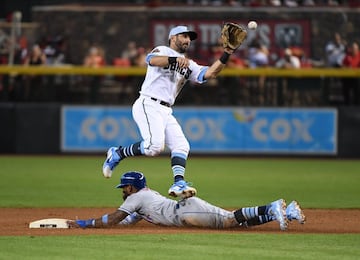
x: 157, y: 209
x: 152, y: 206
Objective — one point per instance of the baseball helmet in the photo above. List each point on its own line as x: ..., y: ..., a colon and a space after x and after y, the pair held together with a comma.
x: 136, y: 179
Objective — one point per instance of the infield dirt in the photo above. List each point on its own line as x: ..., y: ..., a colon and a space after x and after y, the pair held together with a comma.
x: 15, y: 222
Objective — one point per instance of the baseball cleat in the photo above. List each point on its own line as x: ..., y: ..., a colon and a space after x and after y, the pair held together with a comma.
x: 112, y: 160
x: 182, y: 189
x: 278, y: 211
x: 293, y: 211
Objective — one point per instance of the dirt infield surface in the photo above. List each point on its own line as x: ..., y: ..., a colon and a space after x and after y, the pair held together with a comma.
x: 15, y: 221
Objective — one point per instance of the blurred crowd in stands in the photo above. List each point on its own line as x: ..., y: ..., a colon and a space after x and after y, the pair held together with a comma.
x: 253, y: 3
x: 255, y: 91
x: 52, y: 51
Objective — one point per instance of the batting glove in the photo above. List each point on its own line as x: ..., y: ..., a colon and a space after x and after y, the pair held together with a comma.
x: 85, y: 223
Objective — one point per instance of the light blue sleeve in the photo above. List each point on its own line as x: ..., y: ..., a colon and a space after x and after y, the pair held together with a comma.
x: 148, y: 58
x: 201, y: 75
x: 131, y: 219
x: 157, y: 51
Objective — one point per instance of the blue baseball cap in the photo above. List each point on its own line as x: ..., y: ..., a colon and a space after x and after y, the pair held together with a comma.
x: 183, y: 29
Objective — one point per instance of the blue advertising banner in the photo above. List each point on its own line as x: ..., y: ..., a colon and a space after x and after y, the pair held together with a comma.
x: 210, y: 130
x: 89, y: 129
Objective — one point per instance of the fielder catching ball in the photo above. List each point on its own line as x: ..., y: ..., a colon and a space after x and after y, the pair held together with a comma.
x: 140, y: 202
x: 167, y: 72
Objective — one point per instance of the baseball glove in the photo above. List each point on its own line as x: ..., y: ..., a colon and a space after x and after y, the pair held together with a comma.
x: 233, y: 35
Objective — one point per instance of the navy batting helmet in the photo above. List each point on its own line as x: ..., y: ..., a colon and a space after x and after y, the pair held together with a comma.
x: 136, y: 179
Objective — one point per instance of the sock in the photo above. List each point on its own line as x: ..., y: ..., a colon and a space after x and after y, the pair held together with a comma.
x: 131, y: 150
x: 248, y: 213
x: 178, y: 178
x: 178, y: 164
x: 258, y: 221
x: 267, y: 209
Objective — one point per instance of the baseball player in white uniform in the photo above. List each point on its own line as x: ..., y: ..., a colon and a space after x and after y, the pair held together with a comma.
x: 140, y: 202
x: 167, y: 72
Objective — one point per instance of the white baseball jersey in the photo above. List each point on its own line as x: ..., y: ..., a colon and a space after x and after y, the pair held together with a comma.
x: 165, y: 83
x: 157, y: 125
x: 157, y: 209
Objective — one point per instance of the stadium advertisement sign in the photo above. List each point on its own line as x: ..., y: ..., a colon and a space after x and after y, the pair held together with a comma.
x: 209, y: 130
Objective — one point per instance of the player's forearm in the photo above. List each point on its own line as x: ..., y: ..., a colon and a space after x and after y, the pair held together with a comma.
x: 109, y: 220
x: 214, y: 70
x: 164, y: 61
x: 218, y: 65
x: 106, y: 220
x: 160, y: 61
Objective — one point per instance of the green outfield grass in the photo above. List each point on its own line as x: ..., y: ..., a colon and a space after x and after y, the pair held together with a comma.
x: 76, y: 181
x: 180, y: 246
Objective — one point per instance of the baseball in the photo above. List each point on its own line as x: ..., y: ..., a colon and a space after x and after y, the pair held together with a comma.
x: 252, y: 25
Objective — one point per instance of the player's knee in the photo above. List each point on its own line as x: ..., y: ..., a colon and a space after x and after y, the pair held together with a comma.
x: 186, y: 147
x: 196, y: 221
x: 154, y: 150
x: 182, y: 149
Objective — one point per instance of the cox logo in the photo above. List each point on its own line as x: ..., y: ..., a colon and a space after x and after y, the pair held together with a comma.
x: 282, y: 130
x: 108, y: 128
x: 203, y: 128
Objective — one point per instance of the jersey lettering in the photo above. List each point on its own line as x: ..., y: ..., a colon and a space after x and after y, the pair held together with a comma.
x: 186, y: 72
x: 167, y: 81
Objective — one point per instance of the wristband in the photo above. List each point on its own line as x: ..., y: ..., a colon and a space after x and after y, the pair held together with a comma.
x: 172, y: 60
x: 224, y: 57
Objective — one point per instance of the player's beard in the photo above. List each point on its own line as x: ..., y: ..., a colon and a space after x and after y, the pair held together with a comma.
x: 125, y: 195
x: 181, y: 47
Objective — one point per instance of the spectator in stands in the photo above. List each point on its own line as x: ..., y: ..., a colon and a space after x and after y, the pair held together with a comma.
x: 141, y: 56
x: 34, y: 87
x: 335, y: 51
x: 258, y: 55
x: 291, y: 3
x: 288, y: 61
x: 95, y: 59
x: 4, y: 55
x: 208, y: 2
x: 352, y: 58
x: 36, y: 56
x: 290, y: 93
x: 130, y: 53
x: 54, y: 51
x: 334, y: 54
x: 351, y: 85
x: 4, y: 47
